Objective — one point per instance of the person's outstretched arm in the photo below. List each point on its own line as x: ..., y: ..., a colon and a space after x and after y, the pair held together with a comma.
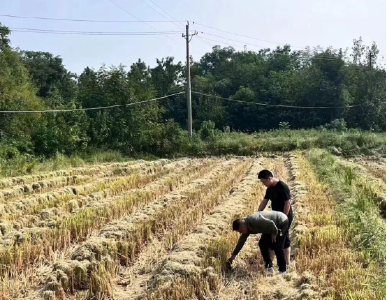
x: 239, y: 246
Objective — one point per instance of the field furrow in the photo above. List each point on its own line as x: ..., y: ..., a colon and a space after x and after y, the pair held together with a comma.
x: 360, y: 178
x: 15, y: 231
x: 193, y: 268
x: 63, y: 206
x: 362, y: 170
x: 161, y: 230
x: 132, y: 281
x: 35, y: 245
x: 375, y: 167
x: 133, y: 176
x: 89, y: 170
x: 247, y: 280
x: 49, y: 184
x: 90, y: 219
x: 344, y: 242
x: 123, y: 239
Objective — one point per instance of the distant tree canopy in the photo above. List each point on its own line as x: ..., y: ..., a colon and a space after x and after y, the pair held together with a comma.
x: 31, y: 80
x: 48, y: 74
x: 299, y: 78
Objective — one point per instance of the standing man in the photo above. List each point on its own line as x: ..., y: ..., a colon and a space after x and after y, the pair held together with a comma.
x: 273, y: 225
x: 279, y: 194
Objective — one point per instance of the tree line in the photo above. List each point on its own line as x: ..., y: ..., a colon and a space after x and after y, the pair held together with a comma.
x: 33, y: 80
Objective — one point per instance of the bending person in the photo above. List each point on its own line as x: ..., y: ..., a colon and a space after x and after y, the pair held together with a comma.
x: 274, y: 227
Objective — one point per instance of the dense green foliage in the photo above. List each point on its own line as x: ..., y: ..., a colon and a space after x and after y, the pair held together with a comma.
x: 288, y: 77
x: 209, y: 141
x: 32, y: 80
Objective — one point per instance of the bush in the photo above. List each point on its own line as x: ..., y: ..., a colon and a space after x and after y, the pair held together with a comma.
x: 284, y: 125
x: 13, y: 161
x: 166, y: 139
x: 337, y: 124
x: 170, y: 140
x: 207, y: 130
x: 8, y: 152
x: 63, y: 133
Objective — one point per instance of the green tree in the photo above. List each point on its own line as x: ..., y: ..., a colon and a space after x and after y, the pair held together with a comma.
x: 16, y: 93
x: 366, y: 86
x: 358, y: 50
x: 62, y: 133
x: 120, y: 128
x: 4, y: 37
x: 167, y: 76
x: 50, y: 77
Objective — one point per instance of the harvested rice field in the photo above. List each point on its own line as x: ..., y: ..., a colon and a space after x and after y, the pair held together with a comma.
x: 162, y: 230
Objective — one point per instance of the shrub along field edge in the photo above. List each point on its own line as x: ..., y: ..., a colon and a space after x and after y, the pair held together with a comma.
x: 206, y: 142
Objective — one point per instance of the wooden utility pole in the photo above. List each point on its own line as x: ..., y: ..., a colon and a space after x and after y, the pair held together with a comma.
x: 188, y: 38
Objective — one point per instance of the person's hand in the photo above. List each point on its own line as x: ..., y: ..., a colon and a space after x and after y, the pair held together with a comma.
x: 273, y: 238
x: 231, y: 259
x: 229, y: 263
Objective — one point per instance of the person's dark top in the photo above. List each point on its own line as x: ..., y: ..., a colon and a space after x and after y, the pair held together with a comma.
x: 266, y: 222
x: 278, y: 194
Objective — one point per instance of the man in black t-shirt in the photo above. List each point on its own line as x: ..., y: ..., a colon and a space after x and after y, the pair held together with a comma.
x: 279, y: 194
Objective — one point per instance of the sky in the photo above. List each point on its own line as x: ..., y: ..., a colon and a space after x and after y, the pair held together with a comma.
x: 299, y: 23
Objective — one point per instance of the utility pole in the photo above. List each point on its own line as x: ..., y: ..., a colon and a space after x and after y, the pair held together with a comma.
x: 370, y: 59
x: 189, y: 102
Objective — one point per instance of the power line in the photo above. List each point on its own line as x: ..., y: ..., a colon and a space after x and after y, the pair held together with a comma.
x: 193, y: 10
x: 83, y: 20
x: 100, y: 34
x: 254, y: 45
x: 273, y: 53
x: 249, y: 37
x: 174, y: 22
x: 119, y: 33
x: 280, y: 105
x: 148, y: 21
x: 204, y: 41
x: 233, y: 45
x: 170, y: 16
x: 166, y: 12
x: 242, y: 35
x: 126, y: 11
x: 174, y: 19
x: 86, y: 109
x: 222, y: 37
x: 147, y: 4
x: 220, y: 42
